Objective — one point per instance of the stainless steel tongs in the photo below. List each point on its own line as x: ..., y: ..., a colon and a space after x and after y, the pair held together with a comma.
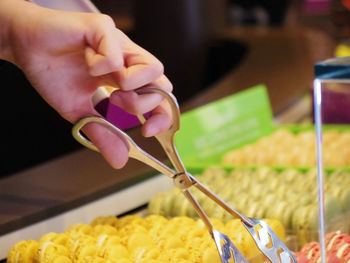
x: 267, y: 241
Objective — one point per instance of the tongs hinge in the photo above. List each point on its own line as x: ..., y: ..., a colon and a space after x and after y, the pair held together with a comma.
x: 182, y: 181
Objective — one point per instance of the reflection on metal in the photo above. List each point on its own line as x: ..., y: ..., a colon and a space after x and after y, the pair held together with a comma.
x: 320, y: 174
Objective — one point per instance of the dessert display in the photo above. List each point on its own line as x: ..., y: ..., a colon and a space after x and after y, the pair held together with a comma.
x: 257, y: 184
x: 129, y: 239
x: 288, y: 195
x: 286, y: 148
x: 337, y: 249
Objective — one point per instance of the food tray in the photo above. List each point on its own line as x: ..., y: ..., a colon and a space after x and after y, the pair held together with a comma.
x: 265, y: 192
x: 210, y: 131
x: 198, y: 164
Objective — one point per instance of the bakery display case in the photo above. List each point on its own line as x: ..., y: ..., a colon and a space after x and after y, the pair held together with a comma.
x: 331, y: 106
x: 243, y: 137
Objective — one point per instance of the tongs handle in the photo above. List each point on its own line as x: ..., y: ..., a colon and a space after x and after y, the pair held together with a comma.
x: 134, y: 150
x: 166, y: 139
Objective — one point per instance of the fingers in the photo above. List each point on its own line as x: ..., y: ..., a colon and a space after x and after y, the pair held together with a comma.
x: 135, y: 103
x: 114, y: 57
x: 138, y: 75
x: 99, y: 64
x: 160, y: 120
x: 141, y: 68
x: 103, y: 53
x: 113, y: 148
x: 140, y: 103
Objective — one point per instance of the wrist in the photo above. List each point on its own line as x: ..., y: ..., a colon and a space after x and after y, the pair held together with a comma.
x: 4, y: 30
x: 9, y: 12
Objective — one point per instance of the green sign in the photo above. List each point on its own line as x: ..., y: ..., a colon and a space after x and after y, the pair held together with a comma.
x: 209, y: 131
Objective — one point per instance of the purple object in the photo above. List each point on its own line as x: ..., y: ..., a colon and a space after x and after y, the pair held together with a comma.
x: 336, y: 104
x: 317, y: 6
x: 117, y: 116
x: 334, y: 75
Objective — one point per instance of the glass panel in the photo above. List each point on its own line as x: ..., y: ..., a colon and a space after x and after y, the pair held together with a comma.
x: 332, y: 121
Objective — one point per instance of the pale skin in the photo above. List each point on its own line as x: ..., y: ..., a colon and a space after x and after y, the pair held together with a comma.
x: 66, y: 56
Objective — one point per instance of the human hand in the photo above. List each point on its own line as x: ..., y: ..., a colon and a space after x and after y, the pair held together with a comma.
x: 66, y: 56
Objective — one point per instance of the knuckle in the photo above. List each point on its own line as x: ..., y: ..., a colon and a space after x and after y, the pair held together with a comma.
x: 170, y: 87
x: 158, y: 68
x: 106, y: 20
x: 165, y: 83
x: 116, y: 64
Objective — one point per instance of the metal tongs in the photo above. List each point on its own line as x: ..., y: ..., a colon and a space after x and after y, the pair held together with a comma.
x: 266, y: 240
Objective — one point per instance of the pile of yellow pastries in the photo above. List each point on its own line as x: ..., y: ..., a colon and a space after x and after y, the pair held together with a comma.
x: 133, y: 239
x: 285, y: 148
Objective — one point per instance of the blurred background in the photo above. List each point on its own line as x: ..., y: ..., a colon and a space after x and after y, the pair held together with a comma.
x: 186, y: 35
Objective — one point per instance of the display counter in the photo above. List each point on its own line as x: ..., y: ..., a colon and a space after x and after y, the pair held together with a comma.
x: 81, y: 186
